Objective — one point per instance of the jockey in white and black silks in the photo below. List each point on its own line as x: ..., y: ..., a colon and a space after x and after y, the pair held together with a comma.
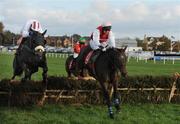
x: 101, y: 39
x: 31, y: 25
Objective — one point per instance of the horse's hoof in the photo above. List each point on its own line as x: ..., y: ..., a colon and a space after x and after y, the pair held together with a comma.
x: 118, y: 111
x: 12, y: 81
x: 111, y: 115
x: 23, y: 80
x: 80, y: 78
x: 40, y: 104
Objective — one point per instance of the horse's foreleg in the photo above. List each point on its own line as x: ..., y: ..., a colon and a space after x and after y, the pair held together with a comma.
x: 30, y: 74
x: 27, y: 75
x: 44, y: 74
x: 116, y: 97
x: 108, y: 101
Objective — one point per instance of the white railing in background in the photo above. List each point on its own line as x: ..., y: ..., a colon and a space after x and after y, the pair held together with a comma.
x: 50, y: 55
x: 57, y: 55
x: 145, y: 56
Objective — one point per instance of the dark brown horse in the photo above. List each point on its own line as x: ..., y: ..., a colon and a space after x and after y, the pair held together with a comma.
x: 70, y: 67
x: 108, y: 68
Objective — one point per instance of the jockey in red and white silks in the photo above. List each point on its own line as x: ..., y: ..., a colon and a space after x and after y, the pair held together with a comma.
x: 102, y: 36
x: 30, y: 25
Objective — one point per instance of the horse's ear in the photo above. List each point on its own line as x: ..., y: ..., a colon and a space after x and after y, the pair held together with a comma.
x: 44, y: 32
x: 125, y: 48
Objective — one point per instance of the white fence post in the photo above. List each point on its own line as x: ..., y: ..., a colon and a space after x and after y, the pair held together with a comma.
x: 137, y: 59
x: 146, y: 60
x: 128, y: 58
x: 173, y: 61
x: 164, y: 60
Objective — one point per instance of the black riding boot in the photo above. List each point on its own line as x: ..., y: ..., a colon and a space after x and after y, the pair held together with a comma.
x: 95, y: 55
x: 73, y: 66
x: 18, y: 51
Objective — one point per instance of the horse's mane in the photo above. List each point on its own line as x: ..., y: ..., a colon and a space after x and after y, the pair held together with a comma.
x: 114, y: 56
x: 33, y: 40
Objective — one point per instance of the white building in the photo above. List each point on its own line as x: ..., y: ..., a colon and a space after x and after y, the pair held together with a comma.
x: 131, y: 43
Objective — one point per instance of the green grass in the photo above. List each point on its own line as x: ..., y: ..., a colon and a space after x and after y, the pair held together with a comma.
x: 57, y: 67
x: 88, y: 114
x: 151, y: 68
x: 91, y: 114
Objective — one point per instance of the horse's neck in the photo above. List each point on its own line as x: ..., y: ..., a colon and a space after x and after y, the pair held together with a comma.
x: 111, y: 57
x: 27, y: 42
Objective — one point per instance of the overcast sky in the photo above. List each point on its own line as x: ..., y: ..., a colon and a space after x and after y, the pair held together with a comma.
x: 129, y: 18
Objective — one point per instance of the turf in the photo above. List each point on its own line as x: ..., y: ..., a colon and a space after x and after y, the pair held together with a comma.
x: 89, y: 114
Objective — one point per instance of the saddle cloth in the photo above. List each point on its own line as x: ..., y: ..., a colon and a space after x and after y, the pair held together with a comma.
x: 87, y: 58
x: 91, y: 57
x: 72, y: 64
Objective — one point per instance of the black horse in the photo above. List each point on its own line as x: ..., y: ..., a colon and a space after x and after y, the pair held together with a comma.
x: 30, y: 57
x: 107, y: 69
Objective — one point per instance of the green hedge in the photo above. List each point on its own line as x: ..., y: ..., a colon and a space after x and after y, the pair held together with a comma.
x: 19, y: 90
x: 72, y: 84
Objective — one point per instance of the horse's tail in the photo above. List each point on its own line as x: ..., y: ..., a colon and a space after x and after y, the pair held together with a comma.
x: 17, y: 68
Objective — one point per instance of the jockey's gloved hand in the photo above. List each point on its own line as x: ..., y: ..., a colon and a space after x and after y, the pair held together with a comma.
x: 109, y: 47
x: 104, y: 49
x: 101, y: 47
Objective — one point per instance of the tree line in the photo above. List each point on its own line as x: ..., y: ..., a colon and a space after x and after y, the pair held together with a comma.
x: 6, y: 37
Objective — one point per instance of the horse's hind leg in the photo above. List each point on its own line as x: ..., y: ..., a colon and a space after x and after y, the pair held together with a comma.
x: 69, y: 73
x: 108, y: 101
x: 13, y: 77
x: 17, y: 72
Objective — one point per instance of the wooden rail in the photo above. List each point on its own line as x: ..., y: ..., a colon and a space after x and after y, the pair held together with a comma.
x: 174, y: 89
x: 60, y: 94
